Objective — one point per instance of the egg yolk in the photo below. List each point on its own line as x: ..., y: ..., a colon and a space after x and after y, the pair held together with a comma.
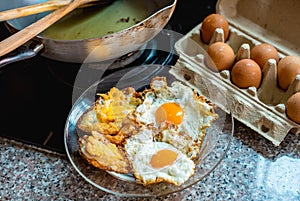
x: 163, y: 158
x: 171, y: 112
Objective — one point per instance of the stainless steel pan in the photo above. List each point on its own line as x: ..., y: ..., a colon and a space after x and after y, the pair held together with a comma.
x: 96, y: 49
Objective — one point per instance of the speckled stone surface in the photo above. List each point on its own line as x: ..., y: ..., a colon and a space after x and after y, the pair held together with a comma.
x: 253, y: 169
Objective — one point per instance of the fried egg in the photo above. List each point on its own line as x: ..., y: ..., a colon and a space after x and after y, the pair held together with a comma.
x: 181, y: 141
x: 136, y: 142
x: 101, y: 153
x: 108, y: 115
x: 159, y: 129
x: 158, y: 162
x: 178, y: 112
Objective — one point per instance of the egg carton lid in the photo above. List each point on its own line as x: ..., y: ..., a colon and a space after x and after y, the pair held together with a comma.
x: 268, y: 21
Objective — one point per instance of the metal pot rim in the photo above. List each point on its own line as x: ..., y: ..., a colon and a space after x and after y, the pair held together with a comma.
x: 7, y: 23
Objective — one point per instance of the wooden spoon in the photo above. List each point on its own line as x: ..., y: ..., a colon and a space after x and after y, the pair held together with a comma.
x: 29, y: 32
x: 39, y: 8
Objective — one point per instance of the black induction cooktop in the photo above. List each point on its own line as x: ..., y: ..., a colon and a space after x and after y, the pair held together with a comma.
x: 36, y: 94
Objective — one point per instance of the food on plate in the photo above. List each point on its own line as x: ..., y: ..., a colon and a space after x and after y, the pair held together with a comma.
x: 262, y: 53
x: 160, y: 130
x: 109, y: 113
x: 101, y: 153
x: 246, y: 73
x: 161, y: 162
x: 220, y: 56
x: 179, y: 129
x: 287, y: 70
x: 293, y: 107
x: 210, y: 24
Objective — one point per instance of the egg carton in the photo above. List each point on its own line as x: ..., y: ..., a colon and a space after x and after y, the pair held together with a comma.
x: 250, y: 23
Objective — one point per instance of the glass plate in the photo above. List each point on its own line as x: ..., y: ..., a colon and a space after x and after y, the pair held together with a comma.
x: 213, y: 149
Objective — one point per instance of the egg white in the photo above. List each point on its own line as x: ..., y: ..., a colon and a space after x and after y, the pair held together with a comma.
x: 137, y: 142
x: 177, y: 173
x: 188, y: 135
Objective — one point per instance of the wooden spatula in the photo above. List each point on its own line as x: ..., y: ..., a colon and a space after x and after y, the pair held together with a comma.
x: 42, y: 7
x: 29, y: 32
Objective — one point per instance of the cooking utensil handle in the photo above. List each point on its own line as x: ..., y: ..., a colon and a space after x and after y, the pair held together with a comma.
x: 21, y: 37
x: 22, y: 54
x: 33, y: 9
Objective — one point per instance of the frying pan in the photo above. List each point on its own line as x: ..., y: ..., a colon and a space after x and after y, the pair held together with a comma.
x: 98, y: 49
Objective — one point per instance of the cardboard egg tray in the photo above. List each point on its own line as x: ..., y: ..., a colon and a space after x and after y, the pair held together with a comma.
x: 251, y: 23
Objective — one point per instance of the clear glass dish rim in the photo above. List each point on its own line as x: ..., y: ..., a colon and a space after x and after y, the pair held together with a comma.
x: 137, y: 195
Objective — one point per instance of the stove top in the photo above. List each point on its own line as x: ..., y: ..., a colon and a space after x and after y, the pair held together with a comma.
x: 36, y: 94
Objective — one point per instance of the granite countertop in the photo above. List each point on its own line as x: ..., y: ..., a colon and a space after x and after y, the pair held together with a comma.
x: 253, y: 169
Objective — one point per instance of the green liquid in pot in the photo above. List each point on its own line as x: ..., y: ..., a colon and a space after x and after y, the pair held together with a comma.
x: 94, y: 22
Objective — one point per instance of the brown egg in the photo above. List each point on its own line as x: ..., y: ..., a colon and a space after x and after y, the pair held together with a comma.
x: 209, y: 25
x: 220, y: 56
x: 262, y: 53
x: 287, y: 69
x: 246, y: 73
x: 293, y: 107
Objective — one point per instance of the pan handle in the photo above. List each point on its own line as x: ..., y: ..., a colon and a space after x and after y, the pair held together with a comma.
x: 22, y: 53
